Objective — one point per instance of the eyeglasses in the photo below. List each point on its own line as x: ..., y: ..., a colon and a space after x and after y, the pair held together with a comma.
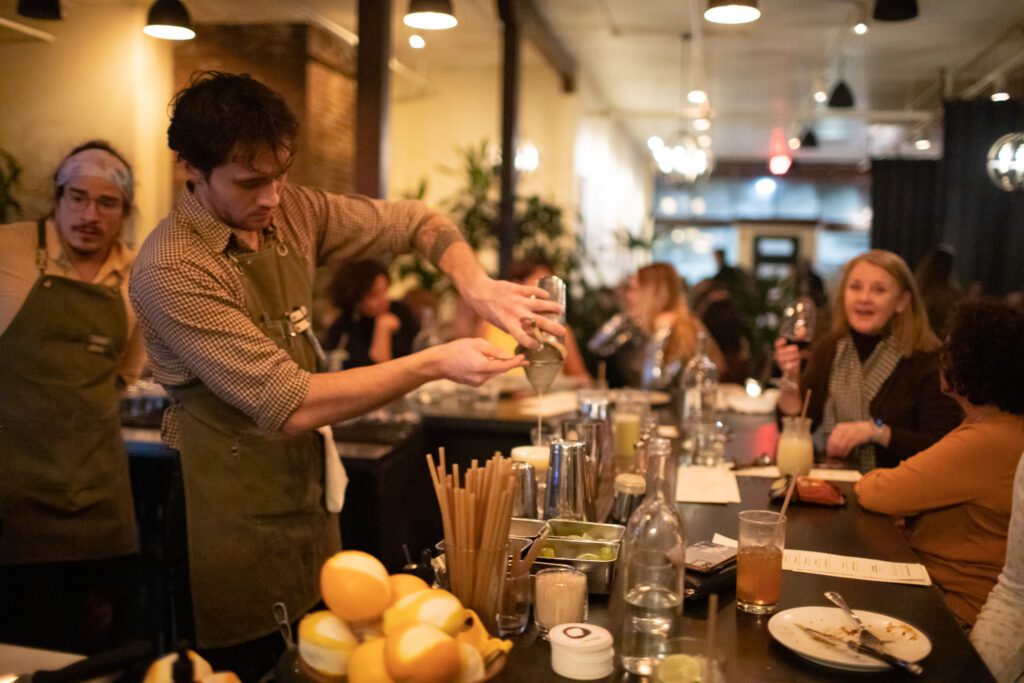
x: 79, y: 201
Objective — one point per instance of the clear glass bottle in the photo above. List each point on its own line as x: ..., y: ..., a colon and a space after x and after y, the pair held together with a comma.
x: 429, y: 334
x: 700, y: 394
x: 654, y: 548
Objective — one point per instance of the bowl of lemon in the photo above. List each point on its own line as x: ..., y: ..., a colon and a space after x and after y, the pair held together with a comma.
x: 382, y: 628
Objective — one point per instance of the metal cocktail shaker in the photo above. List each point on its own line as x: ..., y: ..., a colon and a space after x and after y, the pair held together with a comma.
x: 524, y: 500
x: 567, y: 482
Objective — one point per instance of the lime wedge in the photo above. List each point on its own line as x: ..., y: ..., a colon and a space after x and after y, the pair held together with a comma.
x: 587, y: 556
x: 680, y: 669
x: 606, y: 554
x: 547, y: 552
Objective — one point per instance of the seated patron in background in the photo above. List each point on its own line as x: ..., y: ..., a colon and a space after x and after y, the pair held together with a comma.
x: 874, y: 378
x: 69, y: 344
x: 938, y: 289
x: 716, y: 308
x: 656, y: 302
x: 370, y: 327
x: 529, y: 271
x: 956, y: 494
x: 998, y: 634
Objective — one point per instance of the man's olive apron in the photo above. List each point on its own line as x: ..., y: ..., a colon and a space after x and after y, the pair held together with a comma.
x: 258, y: 531
x: 65, y: 492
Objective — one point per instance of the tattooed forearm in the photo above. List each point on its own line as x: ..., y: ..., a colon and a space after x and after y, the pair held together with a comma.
x: 434, y: 237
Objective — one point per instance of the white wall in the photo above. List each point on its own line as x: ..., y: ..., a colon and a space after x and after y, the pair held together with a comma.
x: 101, y: 78
x: 589, y: 166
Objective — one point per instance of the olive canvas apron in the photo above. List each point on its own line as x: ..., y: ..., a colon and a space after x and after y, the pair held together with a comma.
x: 258, y: 531
x: 65, y: 491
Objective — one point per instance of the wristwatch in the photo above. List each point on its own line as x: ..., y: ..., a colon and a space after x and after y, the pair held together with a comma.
x: 879, y: 432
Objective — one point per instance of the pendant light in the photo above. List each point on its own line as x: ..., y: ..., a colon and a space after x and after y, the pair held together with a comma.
x: 1006, y: 162
x: 169, y: 20
x: 39, y: 9
x: 430, y: 15
x: 841, y: 96
x: 732, y: 11
x: 809, y: 139
x: 895, y: 10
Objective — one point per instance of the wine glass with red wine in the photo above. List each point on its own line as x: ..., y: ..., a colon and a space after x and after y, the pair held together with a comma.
x: 797, y: 325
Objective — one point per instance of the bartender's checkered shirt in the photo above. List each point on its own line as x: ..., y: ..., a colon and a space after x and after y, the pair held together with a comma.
x: 191, y: 303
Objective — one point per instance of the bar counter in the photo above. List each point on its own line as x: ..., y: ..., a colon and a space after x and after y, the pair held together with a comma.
x: 390, y: 503
x: 749, y: 653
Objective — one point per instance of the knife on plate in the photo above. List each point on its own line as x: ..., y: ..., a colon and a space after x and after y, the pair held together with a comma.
x: 837, y: 643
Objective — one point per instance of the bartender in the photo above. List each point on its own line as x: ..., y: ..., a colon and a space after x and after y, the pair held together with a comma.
x: 223, y: 287
x: 69, y: 343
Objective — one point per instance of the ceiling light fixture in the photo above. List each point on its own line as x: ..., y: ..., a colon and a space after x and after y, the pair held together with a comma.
x: 39, y: 9
x: 697, y: 97
x: 701, y: 124
x: 1006, y: 162
x: 732, y: 11
x: 794, y: 143
x: 704, y: 140
x: 860, y: 28
x: 841, y: 96
x: 999, y: 93
x: 895, y: 10
x: 779, y: 164
x: 416, y: 42
x: 809, y: 139
x: 169, y: 20
x: 430, y: 15
x: 1000, y: 96
x: 821, y: 97
x: 923, y: 144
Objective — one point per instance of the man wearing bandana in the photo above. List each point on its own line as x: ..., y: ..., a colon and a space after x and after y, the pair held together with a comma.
x: 69, y: 343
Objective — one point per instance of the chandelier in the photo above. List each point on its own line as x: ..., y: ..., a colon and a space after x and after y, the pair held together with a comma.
x: 1006, y: 162
x: 681, y: 158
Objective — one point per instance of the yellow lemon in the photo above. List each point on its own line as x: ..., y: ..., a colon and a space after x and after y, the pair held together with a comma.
x: 326, y: 643
x: 471, y: 665
x: 421, y: 653
x: 433, y: 606
x: 405, y: 584
x: 355, y: 586
x: 475, y: 634
x: 366, y: 665
x: 160, y: 670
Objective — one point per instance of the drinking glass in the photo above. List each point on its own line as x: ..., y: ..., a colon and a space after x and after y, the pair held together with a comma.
x: 514, y: 608
x: 759, y: 561
x: 797, y: 326
x: 795, y: 452
x: 559, y: 597
x: 630, y: 411
x: 686, y: 659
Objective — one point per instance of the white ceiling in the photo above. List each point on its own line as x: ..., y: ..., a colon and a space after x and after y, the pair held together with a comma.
x: 760, y: 77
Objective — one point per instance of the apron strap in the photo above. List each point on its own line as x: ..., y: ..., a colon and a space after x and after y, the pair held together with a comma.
x: 42, y: 255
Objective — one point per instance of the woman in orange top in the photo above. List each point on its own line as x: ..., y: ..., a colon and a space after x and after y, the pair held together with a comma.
x: 956, y: 495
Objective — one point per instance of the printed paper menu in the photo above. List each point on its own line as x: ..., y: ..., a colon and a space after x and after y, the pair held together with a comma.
x: 846, y: 566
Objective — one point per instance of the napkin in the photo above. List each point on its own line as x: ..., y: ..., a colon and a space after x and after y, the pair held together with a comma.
x: 335, y: 477
x: 699, y: 484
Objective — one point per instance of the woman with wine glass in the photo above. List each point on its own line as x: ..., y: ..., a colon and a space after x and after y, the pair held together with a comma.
x: 874, y: 378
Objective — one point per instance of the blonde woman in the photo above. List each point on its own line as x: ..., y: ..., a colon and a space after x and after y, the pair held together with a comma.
x: 656, y: 302
x: 874, y: 377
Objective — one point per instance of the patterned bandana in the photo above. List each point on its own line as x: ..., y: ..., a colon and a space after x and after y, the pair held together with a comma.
x: 98, y: 163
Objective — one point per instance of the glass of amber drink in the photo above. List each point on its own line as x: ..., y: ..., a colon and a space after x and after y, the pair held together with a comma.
x: 759, y: 561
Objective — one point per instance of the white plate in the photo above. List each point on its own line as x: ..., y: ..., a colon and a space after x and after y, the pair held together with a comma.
x: 655, y: 398
x: 900, y: 638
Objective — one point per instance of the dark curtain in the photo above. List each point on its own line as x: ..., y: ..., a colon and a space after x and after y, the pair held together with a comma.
x: 983, y: 223
x: 906, y: 205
